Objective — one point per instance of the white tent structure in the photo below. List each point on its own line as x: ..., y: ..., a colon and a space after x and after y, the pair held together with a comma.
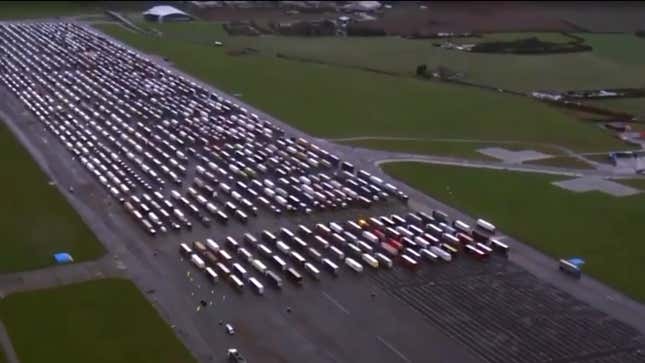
x: 163, y: 13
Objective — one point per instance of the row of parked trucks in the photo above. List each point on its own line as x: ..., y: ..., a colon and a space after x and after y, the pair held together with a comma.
x: 375, y: 242
x: 139, y: 129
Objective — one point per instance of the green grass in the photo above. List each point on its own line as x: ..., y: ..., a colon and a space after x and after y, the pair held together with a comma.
x: 617, y: 59
x: 42, y: 9
x: 338, y: 102
x: 562, y: 162
x: 545, y: 37
x: 621, y: 48
x: 633, y: 106
x: 104, y: 321
x: 635, y: 183
x: 602, y: 229
x: 36, y: 221
x: 2, y: 357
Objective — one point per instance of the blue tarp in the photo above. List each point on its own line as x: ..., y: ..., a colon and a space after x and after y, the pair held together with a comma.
x: 577, y: 261
x: 63, y: 257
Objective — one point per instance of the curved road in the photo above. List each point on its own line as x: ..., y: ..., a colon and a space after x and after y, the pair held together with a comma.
x: 378, y: 157
x: 565, y: 151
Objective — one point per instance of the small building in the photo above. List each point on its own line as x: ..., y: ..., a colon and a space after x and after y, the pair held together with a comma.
x: 163, y: 13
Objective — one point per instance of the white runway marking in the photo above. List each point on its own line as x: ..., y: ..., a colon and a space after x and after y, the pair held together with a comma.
x: 396, y: 351
x: 335, y: 302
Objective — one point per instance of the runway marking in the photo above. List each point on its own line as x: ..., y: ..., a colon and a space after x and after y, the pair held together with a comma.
x: 396, y: 351
x: 335, y: 302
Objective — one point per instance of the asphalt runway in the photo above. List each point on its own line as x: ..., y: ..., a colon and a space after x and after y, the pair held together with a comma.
x: 464, y: 311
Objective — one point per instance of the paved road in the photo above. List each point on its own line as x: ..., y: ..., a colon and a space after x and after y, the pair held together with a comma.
x: 565, y: 151
x: 378, y: 157
x: 107, y: 266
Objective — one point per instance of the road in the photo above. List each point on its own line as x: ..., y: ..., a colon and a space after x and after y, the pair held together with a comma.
x: 107, y: 266
x: 374, y: 317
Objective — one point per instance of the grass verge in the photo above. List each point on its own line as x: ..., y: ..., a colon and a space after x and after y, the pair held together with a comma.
x: 36, y: 220
x: 103, y: 321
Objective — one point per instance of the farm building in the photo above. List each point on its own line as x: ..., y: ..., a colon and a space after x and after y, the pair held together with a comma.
x: 163, y: 13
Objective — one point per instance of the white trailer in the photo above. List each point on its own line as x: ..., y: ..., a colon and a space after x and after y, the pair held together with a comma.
x: 441, y: 253
x: 486, y: 226
x: 212, y: 275
x: 340, y: 255
x: 259, y: 265
x: 370, y: 260
x: 197, y: 261
x: 331, y: 266
x: 185, y: 250
x: 313, y: 270
x: 384, y: 260
x: 212, y: 245
x: 257, y: 286
x: 353, y: 264
x: 237, y: 282
x: 370, y: 236
x: 429, y: 255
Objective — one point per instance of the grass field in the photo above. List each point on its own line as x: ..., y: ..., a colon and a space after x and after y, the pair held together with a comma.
x: 104, y: 321
x: 636, y: 183
x: 633, y: 106
x: 36, y: 221
x: 510, y: 36
x: 41, y: 9
x: 617, y: 59
x: 338, y: 102
x: 603, y: 230
x: 2, y: 358
x: 507, y: 36
x: 562, y: 162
